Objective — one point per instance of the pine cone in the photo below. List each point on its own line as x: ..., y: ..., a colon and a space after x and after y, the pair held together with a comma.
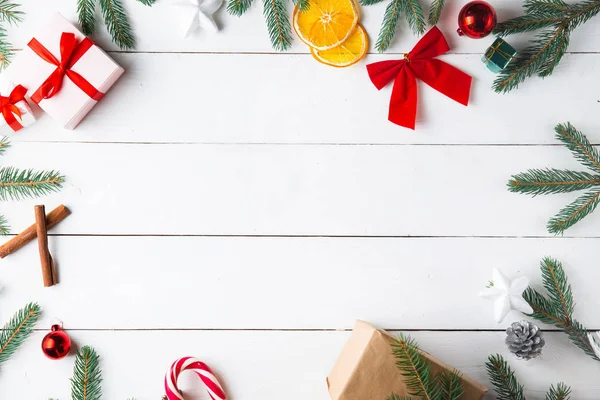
x: 525, y: 340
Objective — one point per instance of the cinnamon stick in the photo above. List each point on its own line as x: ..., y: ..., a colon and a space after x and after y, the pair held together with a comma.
x: 52, y: 219
x: 42, y: 236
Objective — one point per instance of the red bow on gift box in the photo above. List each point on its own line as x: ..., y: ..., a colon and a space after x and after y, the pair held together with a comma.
x: 419, y: 63
x: 9, y: 108
x: 70, y: 53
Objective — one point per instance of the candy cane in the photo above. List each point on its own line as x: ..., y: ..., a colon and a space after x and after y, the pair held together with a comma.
x: 213, y: 387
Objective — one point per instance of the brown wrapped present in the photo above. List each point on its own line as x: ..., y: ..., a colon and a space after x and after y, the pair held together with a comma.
x: 366, y: 369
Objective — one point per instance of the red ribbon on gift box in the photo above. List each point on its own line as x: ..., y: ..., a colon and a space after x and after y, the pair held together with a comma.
x: 70, y: 53
x: 9, y: 108
x: 419, y: 63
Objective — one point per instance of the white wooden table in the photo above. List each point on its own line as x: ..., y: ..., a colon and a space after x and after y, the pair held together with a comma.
x: 246, y: 206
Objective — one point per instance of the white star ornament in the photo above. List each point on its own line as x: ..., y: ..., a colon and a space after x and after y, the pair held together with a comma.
x: 199, y: 14
x: 507, y: 295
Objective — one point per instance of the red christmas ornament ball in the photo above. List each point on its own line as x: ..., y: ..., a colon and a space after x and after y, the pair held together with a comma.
x: 56, y: 344
x: 476, y: 19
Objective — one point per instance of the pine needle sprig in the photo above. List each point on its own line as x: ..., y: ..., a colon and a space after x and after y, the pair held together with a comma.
x: 551, y: 180
x: 558, y: 306
x: 303, y: 5
x: 503, y: 378
x: 86, y: 15
x: 4, y: 227
x: 4, y: 144
x: 560, y: 392
x: 147, y: 2
x: 388, y: 26
x: 10, y: 12
x: 416, y: 371
x: 435, y: 11
x: 278, y: 24
x: 547, y: 49
x: 238, y: 7
x: 6, y: 49
x: 18, y: 184
x: 87, y: 376
x: 117, y: 23
x: 450, y: 385
x: 17, y: 330
x: 412, y: 11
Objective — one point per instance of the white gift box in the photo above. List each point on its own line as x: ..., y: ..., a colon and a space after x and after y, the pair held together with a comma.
x: 27, y: 118
x: 70, y: 104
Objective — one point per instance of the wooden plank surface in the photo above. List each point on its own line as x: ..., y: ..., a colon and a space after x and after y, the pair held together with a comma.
x: 208, y: 98
x: 246, y: 206
x: 286, y: 283
x: 272, y: 364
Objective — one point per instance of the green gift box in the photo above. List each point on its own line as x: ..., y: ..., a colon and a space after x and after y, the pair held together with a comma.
x: 498, y: 55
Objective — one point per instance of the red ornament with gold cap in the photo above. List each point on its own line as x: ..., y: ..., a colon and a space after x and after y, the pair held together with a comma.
x: 56, y: 344
x: 476, y: 20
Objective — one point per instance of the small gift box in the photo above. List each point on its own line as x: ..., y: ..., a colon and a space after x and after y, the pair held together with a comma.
x: 16, y: 113
x: 65, y: 73
x: 498, y: 55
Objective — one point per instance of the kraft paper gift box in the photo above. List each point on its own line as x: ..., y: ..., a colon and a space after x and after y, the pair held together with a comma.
x: 70, y: 91
x: 366, y: 369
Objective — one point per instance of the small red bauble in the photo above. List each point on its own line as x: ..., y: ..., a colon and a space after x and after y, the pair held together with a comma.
x: 56, y: 344
x: 477, y: 19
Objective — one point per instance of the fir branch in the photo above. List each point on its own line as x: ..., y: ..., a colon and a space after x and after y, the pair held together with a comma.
x: 414, y: 368
x: 85, y: 15
x: 574, y: 212
x: 414, y: 15
x: 4, y: 144
x: 87, y: 376
x: 238, y: 7
x: 560, y: 392
x: 369, y: 2
x: 17, y: 330
x: 303, y: 5
x: 579, y: 145
x: 547, y: 181
x: 388, y: 25
x: 6, y: 50
x: 548, y: 48
x: 117, y: 23
x: 10, y: 12
x: 435, y: 11
x: 557, y: 309
x: 450, y: 384
x: 503, y: 378
x: 278, y: 24
x: 4, y: 227
x: 551, y: 180
x: 18, y: 184
x: 147, y: 2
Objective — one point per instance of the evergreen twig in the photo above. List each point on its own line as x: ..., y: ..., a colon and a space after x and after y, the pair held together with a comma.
x: 117, y: 23
x: 4, y: 227
x: 550, y: 180
x: 147, y: 2
x: 87, y: 376
x: 85, y: 14
x: 412, y: 11
x: 558, y: 19
x: 416, y: 371
x: 560, y: 392
x: 503, y: 378
x: 17, y: 184
x: 238, y: 7
x: 557, y: 308
x: 507, y: 385
x: 17, y: 330
x: 278, y: 24
x: 9, y: 13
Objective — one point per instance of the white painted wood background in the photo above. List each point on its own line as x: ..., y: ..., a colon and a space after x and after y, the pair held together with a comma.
x: 246, y: 206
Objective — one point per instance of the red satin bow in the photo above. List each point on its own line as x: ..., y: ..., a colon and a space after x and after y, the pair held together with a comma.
x: 419, y: 63
x: 9, y: 108
x: 70, y: 53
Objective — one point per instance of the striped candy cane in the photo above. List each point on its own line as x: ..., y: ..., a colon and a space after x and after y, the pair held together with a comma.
x: 213, y: 387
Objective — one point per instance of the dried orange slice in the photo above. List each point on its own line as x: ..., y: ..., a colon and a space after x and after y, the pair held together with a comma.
x: 327, y: 23
x: 346, y: 54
